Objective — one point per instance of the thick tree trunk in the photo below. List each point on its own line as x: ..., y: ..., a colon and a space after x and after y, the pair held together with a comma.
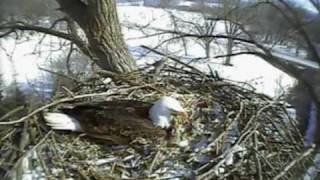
x: 99, y: 21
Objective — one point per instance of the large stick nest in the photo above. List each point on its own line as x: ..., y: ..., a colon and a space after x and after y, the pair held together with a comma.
x: 237, y: 134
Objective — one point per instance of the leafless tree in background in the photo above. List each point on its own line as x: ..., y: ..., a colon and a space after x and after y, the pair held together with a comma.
x: 258, y: 35
x: 98, y: 20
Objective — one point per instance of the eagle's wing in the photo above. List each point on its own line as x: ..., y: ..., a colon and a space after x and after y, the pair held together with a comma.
x: 117, y: 121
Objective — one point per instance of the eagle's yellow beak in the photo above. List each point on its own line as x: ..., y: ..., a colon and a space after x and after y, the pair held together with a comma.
x: 187, y: 121
x: 184, y: 116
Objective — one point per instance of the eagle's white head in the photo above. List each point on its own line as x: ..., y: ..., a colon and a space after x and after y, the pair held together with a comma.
x: 160, y: 112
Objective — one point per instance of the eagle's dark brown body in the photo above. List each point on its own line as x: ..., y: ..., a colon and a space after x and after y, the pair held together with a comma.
x: 119, y: 122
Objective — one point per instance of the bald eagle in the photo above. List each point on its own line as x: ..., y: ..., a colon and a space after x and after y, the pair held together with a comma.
x: 119, y: 122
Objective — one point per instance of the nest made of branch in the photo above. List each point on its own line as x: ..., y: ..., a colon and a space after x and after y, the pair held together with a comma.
x: 237, y: 134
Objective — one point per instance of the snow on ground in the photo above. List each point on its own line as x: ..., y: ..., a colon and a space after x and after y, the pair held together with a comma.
x: 255, y: 71
x: 25, y: 65
x: 246, y: 68
x: 23, y: 57
x: 192, y: 4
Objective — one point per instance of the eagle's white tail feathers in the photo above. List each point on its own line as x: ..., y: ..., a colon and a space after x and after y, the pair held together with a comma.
x: 62, y: 121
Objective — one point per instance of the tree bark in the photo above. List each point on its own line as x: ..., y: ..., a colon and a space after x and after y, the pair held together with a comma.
x: 100, y: 23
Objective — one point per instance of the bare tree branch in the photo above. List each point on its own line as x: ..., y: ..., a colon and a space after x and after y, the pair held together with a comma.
x: 297, y: 24
x: 27, y: 27
x: 316, y: 4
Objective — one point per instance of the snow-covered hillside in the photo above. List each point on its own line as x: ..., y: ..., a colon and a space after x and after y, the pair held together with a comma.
x: 247, y: 68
